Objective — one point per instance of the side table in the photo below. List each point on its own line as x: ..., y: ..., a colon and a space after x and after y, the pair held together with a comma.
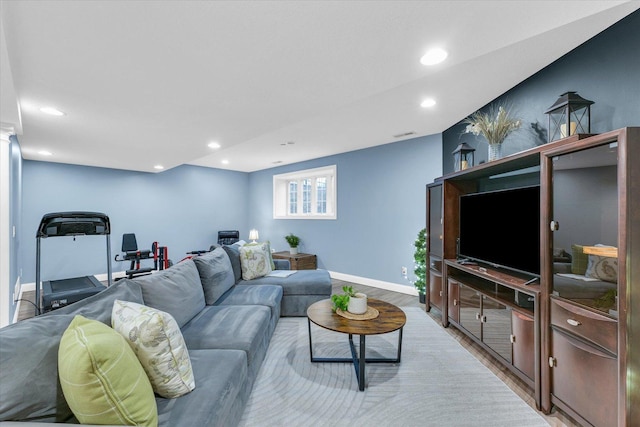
x: 298, y: 261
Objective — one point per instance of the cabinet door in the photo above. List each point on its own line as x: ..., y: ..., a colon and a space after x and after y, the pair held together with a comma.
x: 435, y: 220
x: 585, y: 379
x: 453, y: 300
x: 470, y: 310
x: 496, y: 327
x: 435, y: 289
x: 585, y: 217
x: 523, y: 337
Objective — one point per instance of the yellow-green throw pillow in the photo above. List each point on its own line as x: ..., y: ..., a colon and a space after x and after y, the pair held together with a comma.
x: 156, y: 339
x: 101, y: 377
x: 579, y: 260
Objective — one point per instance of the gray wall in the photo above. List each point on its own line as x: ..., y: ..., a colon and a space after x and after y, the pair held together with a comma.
x: 605, y: 69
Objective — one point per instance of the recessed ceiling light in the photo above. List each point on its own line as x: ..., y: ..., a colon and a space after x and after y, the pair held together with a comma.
x: 45, y: 153
x: 225, y: 162
x: 213, y: 145
x: 429, y: 102
x: 52, y: 111
x: 159, y: 167
x: 434, y: 56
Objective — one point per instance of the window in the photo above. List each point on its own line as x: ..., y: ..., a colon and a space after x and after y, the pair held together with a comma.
x: 306, y: 194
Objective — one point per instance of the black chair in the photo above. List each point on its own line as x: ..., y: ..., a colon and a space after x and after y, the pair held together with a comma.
x: 228, y: 237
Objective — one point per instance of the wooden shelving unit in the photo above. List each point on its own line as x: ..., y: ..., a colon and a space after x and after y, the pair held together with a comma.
x: 559, y: 342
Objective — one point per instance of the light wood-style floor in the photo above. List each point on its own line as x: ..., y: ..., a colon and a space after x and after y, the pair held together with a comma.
x: 555, y: 419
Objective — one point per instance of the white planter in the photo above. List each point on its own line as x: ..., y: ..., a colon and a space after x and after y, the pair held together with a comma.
x: 293, y: 251
x: 358, y: 304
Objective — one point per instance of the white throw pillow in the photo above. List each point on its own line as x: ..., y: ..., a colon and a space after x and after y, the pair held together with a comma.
x: 157, y: 341
x: 255, y: 260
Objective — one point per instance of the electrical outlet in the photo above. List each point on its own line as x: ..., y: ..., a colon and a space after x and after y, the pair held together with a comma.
x: 404, y: 271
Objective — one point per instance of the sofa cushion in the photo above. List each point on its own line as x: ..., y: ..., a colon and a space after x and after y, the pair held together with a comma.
x: 221, y: 394
x: 234, y: 256
x: 240, y: 327
x: 255, y: 260
x: 98, y: 306
x: 177, y: 291
x: 302, y: 282
x: 216, y: 274
x: 29, y: 387
x: 267, y: 295
x: 157, y: 341
x: 101, y: 377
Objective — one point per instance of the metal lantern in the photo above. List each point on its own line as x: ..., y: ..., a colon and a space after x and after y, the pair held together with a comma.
x: 570, y: 115
x: 463, y: 157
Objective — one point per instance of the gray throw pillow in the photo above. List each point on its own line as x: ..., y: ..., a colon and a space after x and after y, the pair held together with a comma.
x: 216, y: 274
x: 29, y: 386
x: 98, y: 307
x: 234, y: 256
x: 177, y: 291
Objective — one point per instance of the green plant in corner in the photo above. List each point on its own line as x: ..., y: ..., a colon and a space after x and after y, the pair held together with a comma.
x: 292, y: 240
x: 341, y: 301
x: 420, y: 259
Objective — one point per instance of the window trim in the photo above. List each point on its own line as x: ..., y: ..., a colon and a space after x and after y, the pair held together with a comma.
x: 281, y: 193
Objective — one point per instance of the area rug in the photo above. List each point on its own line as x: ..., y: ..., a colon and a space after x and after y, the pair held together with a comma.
x: 437, y: 383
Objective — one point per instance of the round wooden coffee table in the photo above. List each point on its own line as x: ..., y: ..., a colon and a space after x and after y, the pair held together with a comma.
x: 390, y: 318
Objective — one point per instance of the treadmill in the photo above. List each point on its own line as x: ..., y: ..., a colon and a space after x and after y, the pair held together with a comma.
x: 58, y: 293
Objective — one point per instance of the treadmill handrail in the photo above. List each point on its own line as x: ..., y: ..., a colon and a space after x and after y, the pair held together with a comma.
x: 74, y: 224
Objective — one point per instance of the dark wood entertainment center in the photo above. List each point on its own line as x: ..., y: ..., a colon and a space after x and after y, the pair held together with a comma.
x: 571, y: 334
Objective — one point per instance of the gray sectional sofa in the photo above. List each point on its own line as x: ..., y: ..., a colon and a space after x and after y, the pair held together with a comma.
x: 226, y: 323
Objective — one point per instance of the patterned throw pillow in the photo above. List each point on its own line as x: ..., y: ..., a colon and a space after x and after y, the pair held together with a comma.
x: 255, y: 260
x: 101, y: 377
x: 156, y: 339
x: 579, y: 260
x: 602, y: 268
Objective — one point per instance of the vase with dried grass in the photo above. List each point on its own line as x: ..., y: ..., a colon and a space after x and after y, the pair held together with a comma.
x: 495, y: 125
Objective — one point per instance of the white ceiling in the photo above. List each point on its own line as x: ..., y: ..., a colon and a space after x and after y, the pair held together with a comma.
x: 153, y: 82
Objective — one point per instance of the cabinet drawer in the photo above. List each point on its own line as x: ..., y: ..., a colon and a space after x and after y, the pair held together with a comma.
x: 584, y: 379
x: 596, y: 328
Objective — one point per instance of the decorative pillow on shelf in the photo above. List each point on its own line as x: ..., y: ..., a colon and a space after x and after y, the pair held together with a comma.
x: 579, y: 260
x: 255, y: 260
x: 157, y: 341
x: 101, y: 377
x: 602, y: 267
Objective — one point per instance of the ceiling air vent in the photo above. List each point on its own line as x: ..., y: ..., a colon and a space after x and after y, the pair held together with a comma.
x: 402, y: 135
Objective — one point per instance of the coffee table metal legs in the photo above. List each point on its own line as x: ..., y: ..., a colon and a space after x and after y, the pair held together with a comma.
x: 358, y: 359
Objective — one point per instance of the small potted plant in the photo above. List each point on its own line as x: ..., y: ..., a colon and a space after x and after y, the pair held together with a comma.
x: 293, y: 242
x: 350, y: 300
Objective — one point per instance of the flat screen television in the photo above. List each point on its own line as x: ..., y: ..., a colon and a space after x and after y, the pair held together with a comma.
x: 502, y: 229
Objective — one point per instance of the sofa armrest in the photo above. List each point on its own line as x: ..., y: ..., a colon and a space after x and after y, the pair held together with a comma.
x: 562, y: 267
x: 282, y: 264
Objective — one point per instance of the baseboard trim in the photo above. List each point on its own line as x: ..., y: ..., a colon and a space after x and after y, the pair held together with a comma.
x: 389, y: 286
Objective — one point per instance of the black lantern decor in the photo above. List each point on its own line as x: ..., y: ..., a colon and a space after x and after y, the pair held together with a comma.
x: 570, y: 115
x: 463, y: 157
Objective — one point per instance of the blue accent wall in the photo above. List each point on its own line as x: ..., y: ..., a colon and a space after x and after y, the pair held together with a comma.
x: 182, y: 208
x: 381, y: 208
x: 604, y: 69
